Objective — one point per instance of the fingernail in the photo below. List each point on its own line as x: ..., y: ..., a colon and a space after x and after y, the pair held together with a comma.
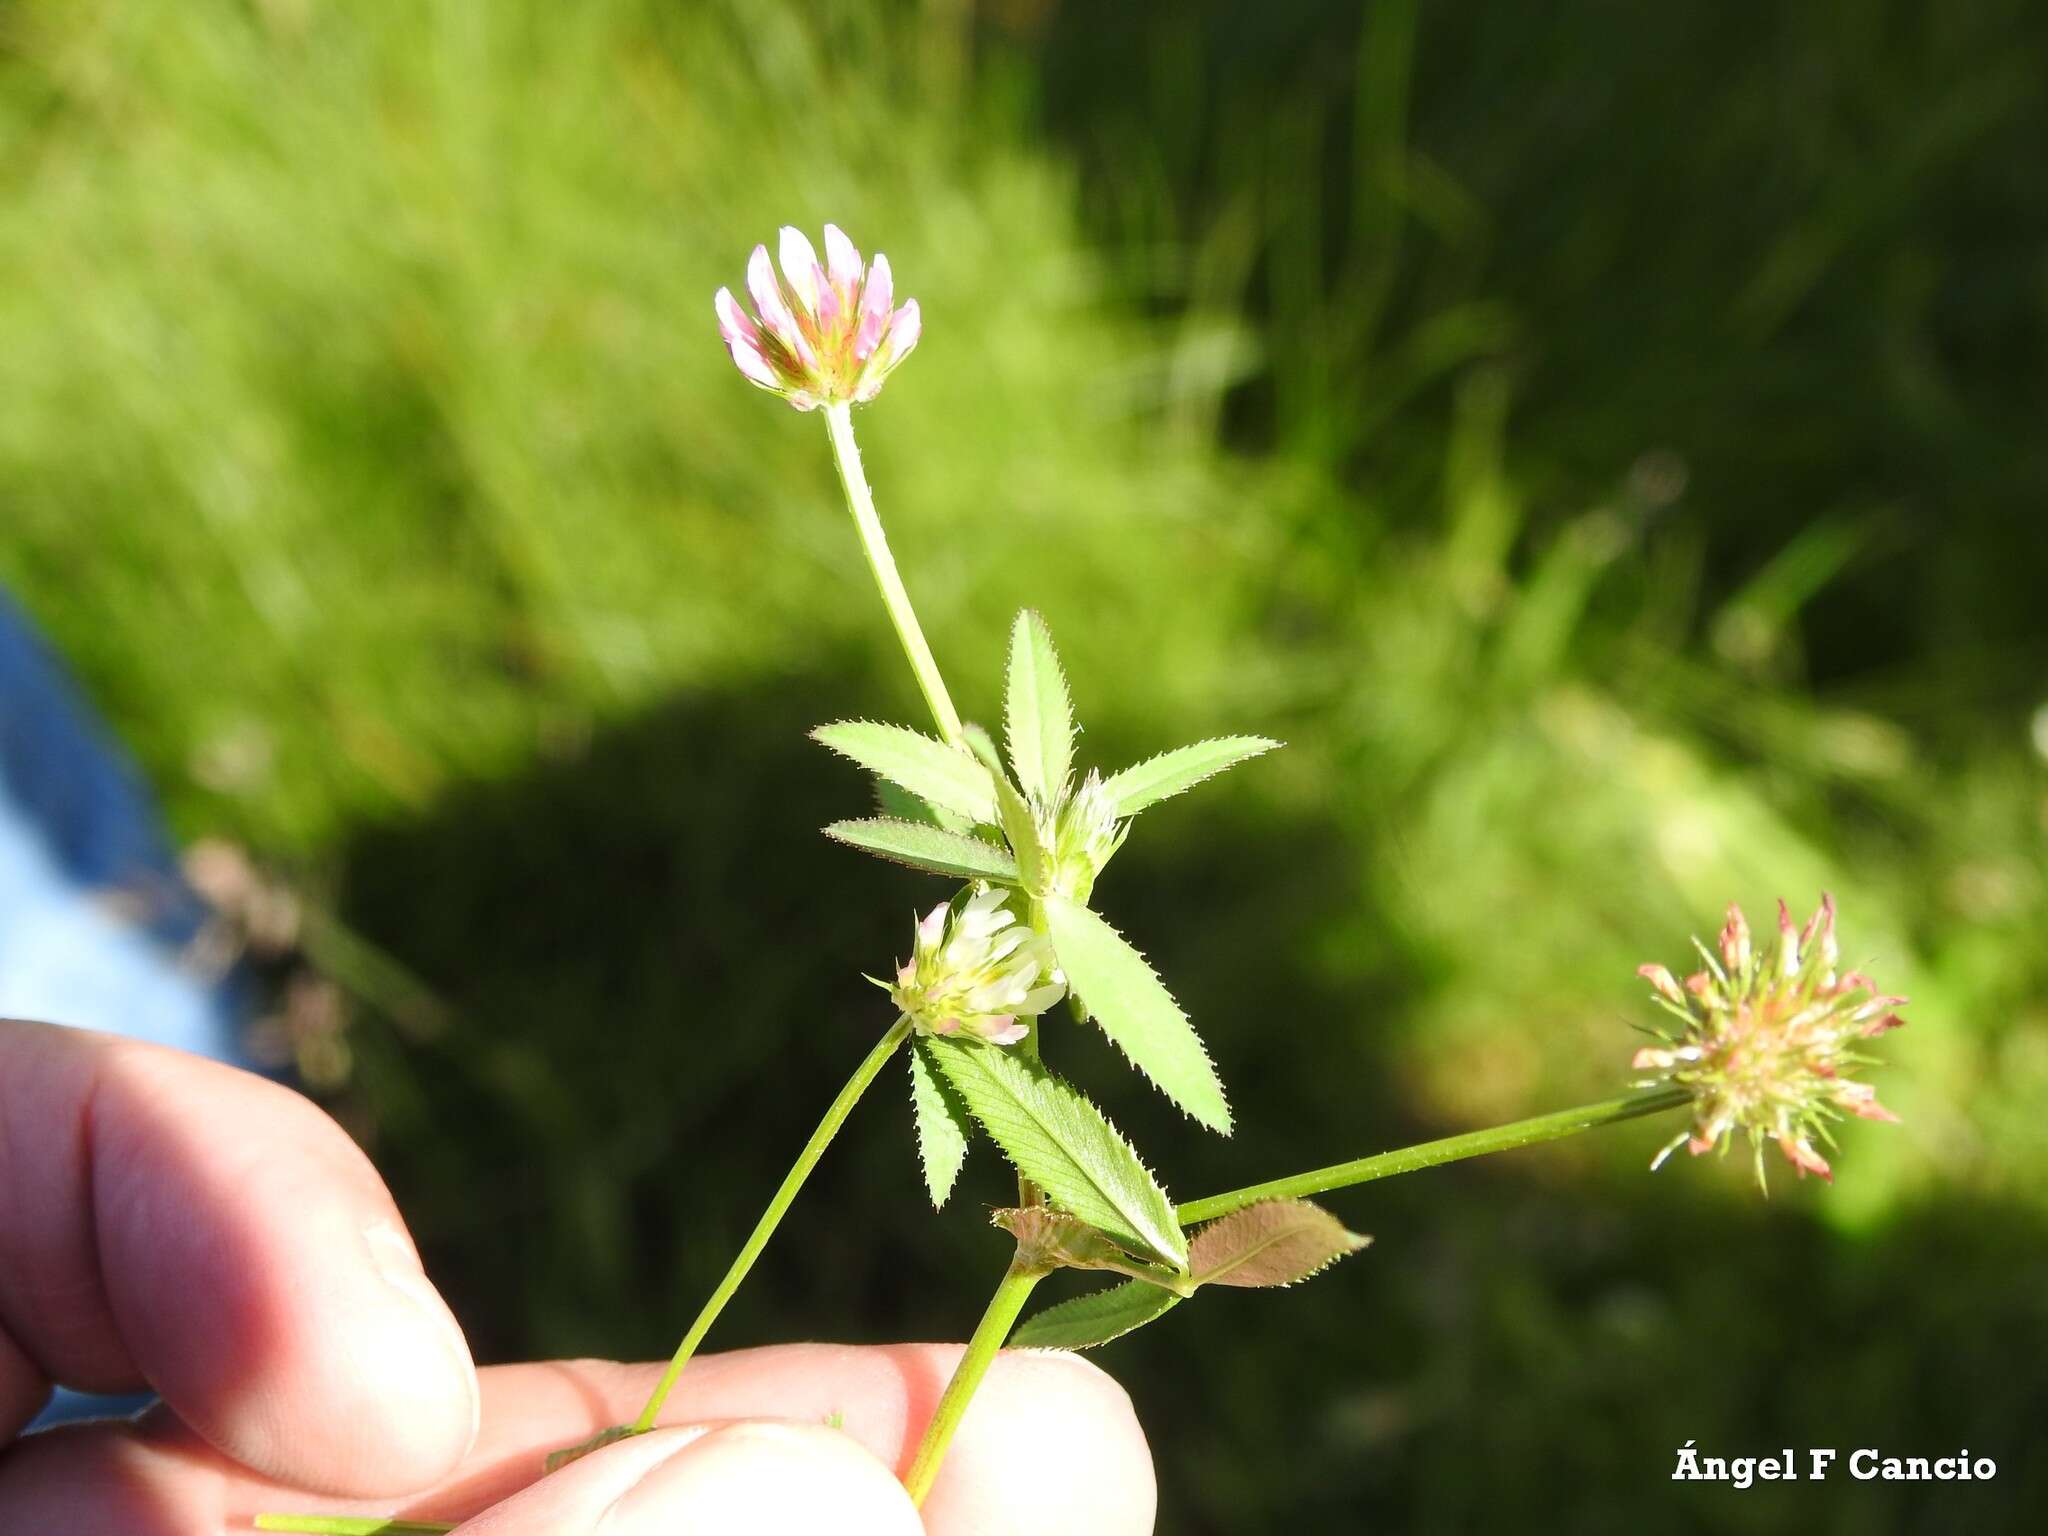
x: 391, y: 1252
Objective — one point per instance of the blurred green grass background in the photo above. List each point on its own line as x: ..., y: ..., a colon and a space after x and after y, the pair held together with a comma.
x: 1605, y: 444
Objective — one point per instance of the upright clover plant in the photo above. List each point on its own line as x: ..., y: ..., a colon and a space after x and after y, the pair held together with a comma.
x: 1766, y: 1043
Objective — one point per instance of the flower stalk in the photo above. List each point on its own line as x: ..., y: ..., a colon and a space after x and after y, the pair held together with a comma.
x: 995, y: 1325
x: 1430, y: 1154
x: 771, y: 1218
x: 874, y: 544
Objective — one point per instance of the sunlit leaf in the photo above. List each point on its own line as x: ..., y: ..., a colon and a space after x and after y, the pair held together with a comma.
x: 1065, y: 1145
x: 1156, y: 778
x: 923, y: 846
x: 1276, y: 1242
x: 899, y: 804
x: 1038, y: 715
x: 1096, y: 1318
x: 942, y: 1124
x: 1013, y: 815
x: 1123, y: 994
x: 939, y: 775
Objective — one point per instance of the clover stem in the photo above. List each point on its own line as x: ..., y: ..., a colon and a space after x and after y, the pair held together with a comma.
x: 764, y: 1229
x: 875, y: 544
x: 1428, y: 1154
x: 989, y: 1333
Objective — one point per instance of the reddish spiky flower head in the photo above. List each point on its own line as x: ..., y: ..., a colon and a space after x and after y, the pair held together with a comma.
x: 1768, y: 1039
x: 821, y: 333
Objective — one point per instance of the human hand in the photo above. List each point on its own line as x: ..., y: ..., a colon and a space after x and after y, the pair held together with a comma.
x: 169, y: 1222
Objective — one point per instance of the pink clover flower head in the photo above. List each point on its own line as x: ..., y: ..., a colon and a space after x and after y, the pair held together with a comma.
x: 821, y: 333
x: 1769, y: 1035
x: 975, y: 970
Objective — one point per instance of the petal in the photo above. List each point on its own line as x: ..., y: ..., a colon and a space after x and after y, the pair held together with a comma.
x: 1788, y: 943
x: 875, y: 299
x: 1039, y: 999
x: 800, y: 269
x: 904, y: 330
x: 1822, y: 925
x: 1735, y: 940
x: 1004, y: 1030
x: 1660, y: 978
x: 747, y: 357
x: 734, y: 324
x: 774, y: 310
x: 1801, y: 1155
x: 842, y: 262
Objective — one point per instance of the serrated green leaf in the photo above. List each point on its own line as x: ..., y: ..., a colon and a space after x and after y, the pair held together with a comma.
x: 1096, y: 1318
x: 1065, y: 1145
x: 939, y: 775
x: 1276, y: 1242
x: 942, y: 1124
x: 1038, y: 715
x: 899, y: 804
x: 1012, y: 814
x: 1169, y: 773
x: 926, y: 847
x: 1131, y: 1003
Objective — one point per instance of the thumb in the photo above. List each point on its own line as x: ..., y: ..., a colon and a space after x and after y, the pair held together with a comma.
x: 764, y: 1477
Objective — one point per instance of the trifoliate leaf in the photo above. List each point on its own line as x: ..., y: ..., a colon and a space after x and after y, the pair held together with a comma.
x: 1038, y: 717
x: 1096, y: 1318
x: 1065, y: 1145
x: 940, y: 775
x: 1013, y: 815
x: 926, y: 847
x: 1276, y: 1242
x: 1123, y: 995
x: 899, y: 804
x: 942, y: 1124
x: 1156, y: 778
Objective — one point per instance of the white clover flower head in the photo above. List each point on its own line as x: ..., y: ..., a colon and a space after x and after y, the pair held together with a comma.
x: 974, y: 969
x: 1079, y: 832
x: 1768, y: 1038
x: 821, y: 333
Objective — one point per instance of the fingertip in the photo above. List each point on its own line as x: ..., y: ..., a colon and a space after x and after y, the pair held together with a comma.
x: 388, y: 1405
x: 763, y: 1477
x: 1073, y: 1416
x: 264, y: 1281
x: 769, y: 1478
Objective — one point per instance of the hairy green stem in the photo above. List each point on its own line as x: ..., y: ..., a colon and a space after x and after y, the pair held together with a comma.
x: 1451, y: 1149
x: 875, y: 544
x: 989, y: 1333
x: 764, y: 1229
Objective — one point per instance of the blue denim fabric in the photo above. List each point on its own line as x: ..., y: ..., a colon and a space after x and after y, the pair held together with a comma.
x: 94, y: 914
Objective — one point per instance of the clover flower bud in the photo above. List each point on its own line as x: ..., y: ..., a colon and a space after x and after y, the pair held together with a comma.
x: 820, y: 334
x: 1080, y: 831
x: 1768, y: 1040
x: 974, y: 969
